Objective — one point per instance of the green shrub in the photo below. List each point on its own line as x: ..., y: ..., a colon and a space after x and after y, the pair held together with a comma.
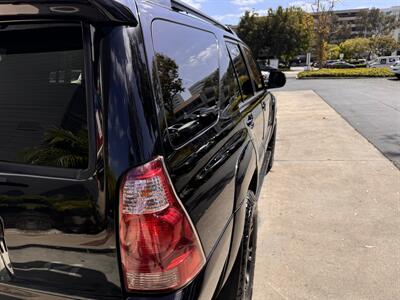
x: 356, y: 72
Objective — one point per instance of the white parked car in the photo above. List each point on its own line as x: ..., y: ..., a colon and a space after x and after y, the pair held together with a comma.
x: 383, y: 62
x: 396, y: 69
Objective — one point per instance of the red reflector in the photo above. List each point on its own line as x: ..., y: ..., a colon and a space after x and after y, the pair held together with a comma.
x: 160, y: 250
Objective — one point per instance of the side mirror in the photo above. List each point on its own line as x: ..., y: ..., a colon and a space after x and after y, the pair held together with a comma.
x: 276, y: 79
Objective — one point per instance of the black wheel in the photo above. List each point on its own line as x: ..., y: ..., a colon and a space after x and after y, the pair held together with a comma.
x: 239, y: 285
x: 249, y: 246
x: 271, y: 150
x: 398, y: 76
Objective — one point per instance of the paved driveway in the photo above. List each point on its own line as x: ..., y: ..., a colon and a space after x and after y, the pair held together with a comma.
x: 371, y: 106
x: 328, y: 212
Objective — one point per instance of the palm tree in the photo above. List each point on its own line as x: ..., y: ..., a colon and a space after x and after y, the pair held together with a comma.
x: 60, y: 148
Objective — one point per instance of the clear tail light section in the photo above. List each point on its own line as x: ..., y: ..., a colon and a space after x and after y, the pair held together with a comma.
x: 160, y: 249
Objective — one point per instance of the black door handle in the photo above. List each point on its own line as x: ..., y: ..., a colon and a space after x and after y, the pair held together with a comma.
x: 250, y: 121
x: 263, y: 105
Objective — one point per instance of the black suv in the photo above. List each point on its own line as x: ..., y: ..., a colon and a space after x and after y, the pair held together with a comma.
x: 135, y: 137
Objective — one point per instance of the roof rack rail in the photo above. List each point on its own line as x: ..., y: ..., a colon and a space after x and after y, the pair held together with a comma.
x: 182, y: 7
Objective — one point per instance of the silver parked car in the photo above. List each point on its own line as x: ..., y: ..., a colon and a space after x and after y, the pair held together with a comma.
x: 396, y: 69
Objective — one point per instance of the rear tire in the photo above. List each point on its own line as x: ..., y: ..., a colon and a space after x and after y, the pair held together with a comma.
x: 239, y: 285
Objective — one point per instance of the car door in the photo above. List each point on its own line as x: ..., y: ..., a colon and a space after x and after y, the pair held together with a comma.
x: 250, y: 105
x: 266, y: 98
x: 199, y: 147
x: 203, y: 140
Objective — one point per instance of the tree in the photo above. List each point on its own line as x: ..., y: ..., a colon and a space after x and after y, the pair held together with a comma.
x: 250, y: 31
x: 290, y: 32
x: 283, y: 33
x: 355, y: 48
x: 60, y: 148
x: 333, y: 51
x: 375, y: 22
x: 323, y: 26
x: 171, y: 83
x: 383, y: 45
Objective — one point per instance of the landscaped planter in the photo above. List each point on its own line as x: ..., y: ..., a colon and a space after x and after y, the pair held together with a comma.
x: 347, y: 73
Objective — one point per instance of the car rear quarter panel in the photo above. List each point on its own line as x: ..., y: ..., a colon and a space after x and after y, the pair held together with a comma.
x: 211, y: 173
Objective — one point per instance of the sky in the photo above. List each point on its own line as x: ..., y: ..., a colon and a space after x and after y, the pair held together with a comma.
x: 229, y: 11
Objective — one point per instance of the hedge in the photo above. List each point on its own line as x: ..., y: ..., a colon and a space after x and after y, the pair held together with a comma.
x: 356, y: 72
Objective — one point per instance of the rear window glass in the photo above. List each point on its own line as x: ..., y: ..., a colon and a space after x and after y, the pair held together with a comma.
x: 230, y: 86
x: 254, y: 70
x: 241, y: 70
x: 43, y: 118
x: 188, y: 71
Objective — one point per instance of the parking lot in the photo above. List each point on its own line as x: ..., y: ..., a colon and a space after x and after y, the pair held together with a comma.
x: 371, y: 106
x: 329, y: 213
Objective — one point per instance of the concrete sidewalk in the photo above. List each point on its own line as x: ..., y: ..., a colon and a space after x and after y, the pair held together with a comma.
x: 291, y: 74
x: 329, y: 213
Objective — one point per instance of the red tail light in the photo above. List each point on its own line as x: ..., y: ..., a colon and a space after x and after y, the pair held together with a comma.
x: 160, y: 250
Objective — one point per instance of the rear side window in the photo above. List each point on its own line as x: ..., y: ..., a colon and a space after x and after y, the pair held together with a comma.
x: 254, y: 70
x: 230, y: 88
x: 187, y: 66
x: 43, y: 118
x: 241, y: 70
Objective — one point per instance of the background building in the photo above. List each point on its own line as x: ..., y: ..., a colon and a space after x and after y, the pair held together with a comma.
x: 351, y: 21
x: 395, y: 10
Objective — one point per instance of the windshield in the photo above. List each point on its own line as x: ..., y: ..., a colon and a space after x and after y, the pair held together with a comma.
x: 42, y: 96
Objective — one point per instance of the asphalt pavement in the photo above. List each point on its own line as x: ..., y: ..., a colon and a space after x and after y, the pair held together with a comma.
x: 371, y: 106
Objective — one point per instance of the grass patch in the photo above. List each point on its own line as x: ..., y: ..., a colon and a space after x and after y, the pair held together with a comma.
x: 357, y: 72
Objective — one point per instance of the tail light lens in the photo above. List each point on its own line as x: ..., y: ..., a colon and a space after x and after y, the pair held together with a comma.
x: 160, y: 250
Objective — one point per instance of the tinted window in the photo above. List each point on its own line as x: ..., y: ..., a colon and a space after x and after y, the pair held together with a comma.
x: 188, y: 71
x: 230, y: 88
x: 383, y: 61
x: 254, y: 70
x: 241, y: 70
x: 42, y: 96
